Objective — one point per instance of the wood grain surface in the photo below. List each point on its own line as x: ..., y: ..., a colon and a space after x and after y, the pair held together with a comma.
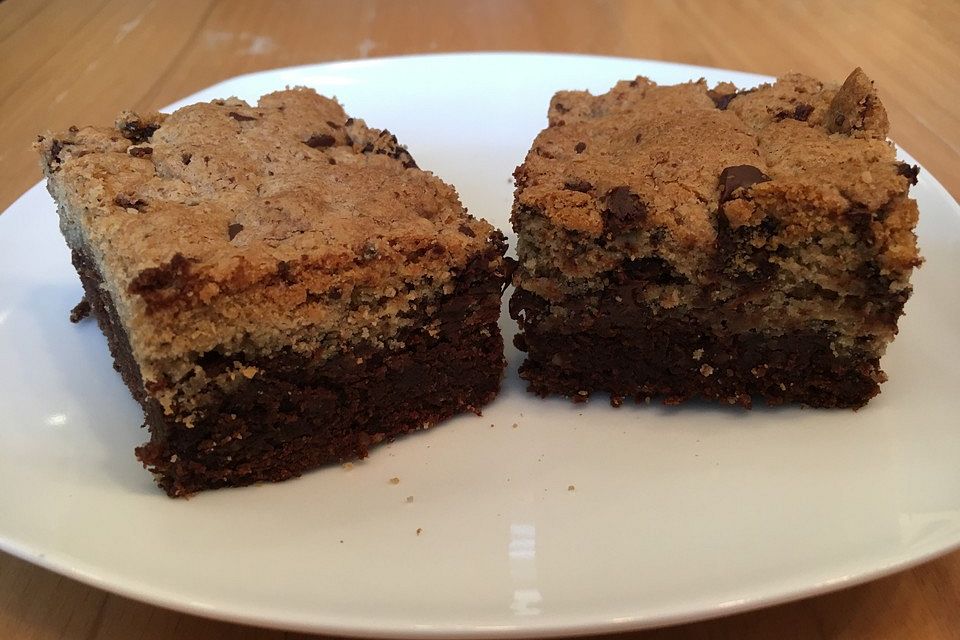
x: 66, y: 62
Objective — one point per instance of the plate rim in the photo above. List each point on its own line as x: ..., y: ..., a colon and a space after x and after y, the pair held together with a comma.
x: 357, y: 626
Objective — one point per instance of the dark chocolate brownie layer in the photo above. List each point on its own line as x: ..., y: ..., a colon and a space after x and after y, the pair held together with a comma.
x: 681, y: 358
x: 298, y: 412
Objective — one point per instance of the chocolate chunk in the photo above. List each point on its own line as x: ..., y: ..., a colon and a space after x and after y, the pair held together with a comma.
x: 285, y: 273
x: 802, y: 111
x: 649, y: 270
x: 860, y: 224
x: 581, y: 146
x: 79, y: 312
x: 55, y: 148
x: 393, y: 150
x: 577, y: 184
x: 128, y: 201
x: 185, y: 158
x: 467, y: 231
x: 623, y: 209
x: 156, y: 278
x: 234, y: 229
x: 321, y: 141
x: 909, y: 172
x: 140, y: 152
x: 239, y: 117
x: 657, y: 236
x: 722, y: 100
x: 742, y: 175
x: 137, y: 131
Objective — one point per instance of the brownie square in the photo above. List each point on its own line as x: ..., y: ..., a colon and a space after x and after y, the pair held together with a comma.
x: 280, y: 285
x: 681, y: 241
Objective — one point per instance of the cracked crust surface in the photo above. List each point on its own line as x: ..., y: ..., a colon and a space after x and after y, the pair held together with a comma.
x: 667, y: 145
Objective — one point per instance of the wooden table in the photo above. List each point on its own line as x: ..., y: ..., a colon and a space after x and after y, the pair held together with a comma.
x: 71, y: 61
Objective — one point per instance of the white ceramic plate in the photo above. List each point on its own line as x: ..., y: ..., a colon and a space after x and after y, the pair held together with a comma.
x: 676, y: 513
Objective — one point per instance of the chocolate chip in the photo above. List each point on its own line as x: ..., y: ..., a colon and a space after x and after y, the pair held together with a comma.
x: 577, y: 184
x: 55, y: 148
x: 860, y: 224
x: 367, y: 148
x: 165, y: 275
x: 127, y: 201
x: 623, y: 209
x: 185, y: 158
x: 239, y: 117
x: 838, y: 120
x: 140, y: 152
x: 321, y: 141
x: 467, y: 231
x: 233, y: 229
x: 739, y: 176
x: 802, y: 111
x: 331, y: 161
x: 722, y: 100
x: 136, y: 131
x: 909, y: 172
x: 349, y: 122
x: 581, y: 146
x: 73, y: 129
x: 284, y: 272
x: 562, y: 108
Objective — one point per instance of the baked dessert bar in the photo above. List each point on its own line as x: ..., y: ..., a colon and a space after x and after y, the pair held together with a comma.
x: 280, y: 285
x: 682, y: 241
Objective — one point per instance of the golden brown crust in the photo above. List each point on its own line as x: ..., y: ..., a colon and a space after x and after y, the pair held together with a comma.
x: 669, y: 144
x: 238, y: 189
x: 242, y: 228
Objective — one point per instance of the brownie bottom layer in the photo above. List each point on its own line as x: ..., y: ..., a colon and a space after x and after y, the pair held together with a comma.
x: 297, y: 413
x: 682, y: 360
